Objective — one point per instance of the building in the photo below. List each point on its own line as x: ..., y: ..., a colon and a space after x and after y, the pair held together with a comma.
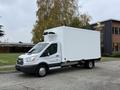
x: 15, y: 47
x: 110, y: 36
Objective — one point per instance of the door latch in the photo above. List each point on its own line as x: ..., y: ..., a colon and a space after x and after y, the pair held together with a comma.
x: 57, y: 55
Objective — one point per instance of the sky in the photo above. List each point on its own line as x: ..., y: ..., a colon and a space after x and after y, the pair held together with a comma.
x: 101, y: 10
x: 18, y: 16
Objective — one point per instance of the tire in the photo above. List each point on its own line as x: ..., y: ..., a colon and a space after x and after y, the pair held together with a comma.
x: 41, y: 71
x: 90, y: 64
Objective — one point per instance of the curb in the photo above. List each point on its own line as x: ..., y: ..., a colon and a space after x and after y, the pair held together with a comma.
x: 8, y: 72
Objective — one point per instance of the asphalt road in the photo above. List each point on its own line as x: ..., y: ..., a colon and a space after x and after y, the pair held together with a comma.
x: 105, y: 76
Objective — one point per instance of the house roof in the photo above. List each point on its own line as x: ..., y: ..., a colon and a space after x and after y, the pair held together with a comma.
x: 106, y: 21
x: 16, y: 44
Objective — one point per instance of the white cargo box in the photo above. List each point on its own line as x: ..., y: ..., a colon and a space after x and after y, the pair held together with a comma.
x: 76, y: 44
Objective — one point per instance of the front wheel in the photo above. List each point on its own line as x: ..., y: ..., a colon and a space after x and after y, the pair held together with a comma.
x: 41, y: 71
x: 90, y: 64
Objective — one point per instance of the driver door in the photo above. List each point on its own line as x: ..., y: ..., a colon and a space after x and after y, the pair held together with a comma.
x: 51, y: 55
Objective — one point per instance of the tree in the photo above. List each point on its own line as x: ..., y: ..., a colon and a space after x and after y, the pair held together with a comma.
x: 1, y: 31
x: 99, y: 27
x: 53, y: 13
x: 75, y: 22
x: 85, y: 20
x: 81, y: 21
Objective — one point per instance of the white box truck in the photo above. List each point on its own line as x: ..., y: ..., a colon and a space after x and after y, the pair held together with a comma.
x: 62, y: 46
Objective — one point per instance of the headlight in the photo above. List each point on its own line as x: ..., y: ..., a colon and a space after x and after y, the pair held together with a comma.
x: 30, y: 59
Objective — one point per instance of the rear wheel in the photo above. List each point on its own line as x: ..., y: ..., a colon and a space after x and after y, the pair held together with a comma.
x: 90, y: 64
x: 41, y: 71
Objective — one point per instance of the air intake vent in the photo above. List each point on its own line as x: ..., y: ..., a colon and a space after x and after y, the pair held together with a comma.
x: 20, y: 61
x: 46, y: 33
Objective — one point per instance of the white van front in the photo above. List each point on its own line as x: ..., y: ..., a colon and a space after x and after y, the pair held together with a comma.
x: 32, y: 56
x: 45, y: 54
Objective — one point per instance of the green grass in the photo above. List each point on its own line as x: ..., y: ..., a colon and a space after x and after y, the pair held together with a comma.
x: 8, y: 58
x: 105, y: 59
x: 114, y: 55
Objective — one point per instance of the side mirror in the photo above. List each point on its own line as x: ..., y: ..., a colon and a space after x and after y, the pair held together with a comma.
x: 48, y: 54
x: 45, y: 54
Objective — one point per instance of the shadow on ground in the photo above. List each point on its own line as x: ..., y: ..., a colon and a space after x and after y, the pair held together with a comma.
x: 60, y: 71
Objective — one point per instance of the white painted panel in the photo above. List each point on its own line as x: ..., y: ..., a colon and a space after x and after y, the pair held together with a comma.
x: 77, y: 44
x: 81, y: 44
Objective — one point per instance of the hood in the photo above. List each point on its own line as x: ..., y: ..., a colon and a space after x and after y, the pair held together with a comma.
x: 27, y: 55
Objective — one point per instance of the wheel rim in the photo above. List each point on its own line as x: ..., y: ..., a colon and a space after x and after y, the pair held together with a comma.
x: 90, y: 64
x: 42, y: 71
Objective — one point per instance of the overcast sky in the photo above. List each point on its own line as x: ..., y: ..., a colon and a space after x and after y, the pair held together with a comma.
x: 102, y: 9
x: 18, y: 16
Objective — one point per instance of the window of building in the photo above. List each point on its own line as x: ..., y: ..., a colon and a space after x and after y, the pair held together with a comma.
x: 116, y: 47
x: 113, y: 30
x: 116, y: 30
x: 119, y: 30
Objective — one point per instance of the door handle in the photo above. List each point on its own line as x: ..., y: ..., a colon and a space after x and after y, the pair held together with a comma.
x: 57, y: 55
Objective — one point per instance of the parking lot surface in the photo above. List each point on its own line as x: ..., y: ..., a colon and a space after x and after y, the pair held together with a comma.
x: 105, y: 76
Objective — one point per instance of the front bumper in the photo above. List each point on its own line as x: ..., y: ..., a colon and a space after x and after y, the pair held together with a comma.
x: 26, y: 69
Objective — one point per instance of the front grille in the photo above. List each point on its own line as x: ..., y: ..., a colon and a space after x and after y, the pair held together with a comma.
x: 20, y: 61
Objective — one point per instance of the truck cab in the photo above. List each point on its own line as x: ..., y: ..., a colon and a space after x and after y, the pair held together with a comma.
x: 42, y: 57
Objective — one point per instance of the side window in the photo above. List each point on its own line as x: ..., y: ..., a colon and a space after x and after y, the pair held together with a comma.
x: 52, y: 49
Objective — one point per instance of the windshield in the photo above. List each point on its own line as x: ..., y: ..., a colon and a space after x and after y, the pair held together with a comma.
x: 37, y: 48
